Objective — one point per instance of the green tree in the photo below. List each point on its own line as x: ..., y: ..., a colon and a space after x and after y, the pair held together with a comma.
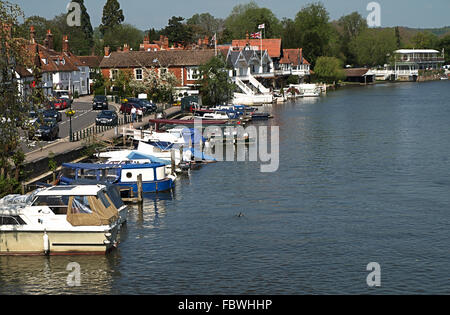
x: 444, y: 43
x: 177, y: 31
x: 398, y: 37
x: 119, y: 35
x: 86, y: 26
x: 374, y: 46
x: 351, y: 26
x: 312, y: 24
x: 245, y: 18
x: 216, y: 87
x: 112, y: 16
x: 204, y: 25
x: 13, y: 106
x: 425, y: 40
x: 329, y: 69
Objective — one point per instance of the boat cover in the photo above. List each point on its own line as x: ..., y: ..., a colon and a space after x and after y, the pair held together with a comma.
x: 100, y: 212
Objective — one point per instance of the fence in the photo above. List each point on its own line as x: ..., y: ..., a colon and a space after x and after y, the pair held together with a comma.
x: 93, y: 130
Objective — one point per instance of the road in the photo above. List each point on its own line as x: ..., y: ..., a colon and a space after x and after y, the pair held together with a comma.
x: 84, y: 117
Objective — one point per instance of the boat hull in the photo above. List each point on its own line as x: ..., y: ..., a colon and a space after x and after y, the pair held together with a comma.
x: 150, y: 187
x: 16, y: 242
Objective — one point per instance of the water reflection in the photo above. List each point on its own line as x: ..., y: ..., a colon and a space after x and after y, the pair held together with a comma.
x: 49, y: 275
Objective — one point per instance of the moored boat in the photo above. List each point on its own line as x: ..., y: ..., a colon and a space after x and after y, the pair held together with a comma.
x: 58, y: 220
x: 154, y: 176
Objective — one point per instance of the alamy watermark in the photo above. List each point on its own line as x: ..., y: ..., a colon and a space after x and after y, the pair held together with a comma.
x: 73, y: 14
x: 74, y: 277
x: 374, y: 277
x: 374, y: 17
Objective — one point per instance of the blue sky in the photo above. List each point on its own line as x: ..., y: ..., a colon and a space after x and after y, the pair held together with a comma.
x: 146, y: 14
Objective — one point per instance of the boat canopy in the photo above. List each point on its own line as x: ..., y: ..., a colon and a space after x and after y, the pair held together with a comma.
x: 135, y: 155
x: 91, y: 210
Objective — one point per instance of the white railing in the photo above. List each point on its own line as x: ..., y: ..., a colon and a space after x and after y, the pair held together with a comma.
x: 243, y: 86
x: 258, y: 85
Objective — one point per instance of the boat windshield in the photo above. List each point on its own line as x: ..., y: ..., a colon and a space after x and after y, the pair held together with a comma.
x: 80, y: 204
x: 58, y: 204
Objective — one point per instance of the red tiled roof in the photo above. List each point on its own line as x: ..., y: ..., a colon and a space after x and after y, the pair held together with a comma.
x: 90, y: 61
x: 293, y: 57
x: 355, y: 72
x: 167, y: 58
x: 272, y: 45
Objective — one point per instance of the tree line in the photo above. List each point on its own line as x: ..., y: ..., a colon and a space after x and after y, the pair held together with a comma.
x: 348, y: 39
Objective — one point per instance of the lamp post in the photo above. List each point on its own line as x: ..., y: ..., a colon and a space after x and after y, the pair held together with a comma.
x: 70, y: 112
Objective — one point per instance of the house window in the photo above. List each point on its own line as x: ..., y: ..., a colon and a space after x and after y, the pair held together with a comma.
x: 193, y: 73
x: 114, y: 74
x: 138, y: 74
x: 162, y: 70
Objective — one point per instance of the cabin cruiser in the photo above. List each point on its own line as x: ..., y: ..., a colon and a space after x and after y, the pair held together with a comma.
x: 154, y: 177
x: 82, y: 219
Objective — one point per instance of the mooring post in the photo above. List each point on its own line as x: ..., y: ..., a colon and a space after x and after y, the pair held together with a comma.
x: 139, y: 184
x: 172, y: 160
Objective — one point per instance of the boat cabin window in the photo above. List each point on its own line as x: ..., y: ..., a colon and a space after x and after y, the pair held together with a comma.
x: 68, y: 172
x: 89, y: 174
x: 80, y: 204
x: 11, y: 220
x: 58, y: 204
x: 105, y: 201
x: 114, y: 195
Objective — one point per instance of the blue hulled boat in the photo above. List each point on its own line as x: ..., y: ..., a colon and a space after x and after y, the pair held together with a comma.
x: 154, y: 178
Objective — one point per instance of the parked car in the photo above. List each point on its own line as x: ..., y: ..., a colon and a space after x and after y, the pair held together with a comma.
x: 46, y: 129
x: 149, y: 106
x: 51, y: 113
x: 63, y: 94
x: 107, y: 118
x: 100, y: 102
x: 60, y: 104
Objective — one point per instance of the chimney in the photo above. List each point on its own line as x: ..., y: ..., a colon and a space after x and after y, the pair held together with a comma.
x: 65, y: 44
x: 246, y: 36
x: 126, y: 48
x: 49, y: 40
x: 32, y: 35
x: 107, y: 51
x: 146, y: 40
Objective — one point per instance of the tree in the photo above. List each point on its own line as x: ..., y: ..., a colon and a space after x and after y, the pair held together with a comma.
x: 119, y: 35
x: 312, y: 23
x: 216, y: 87
x: 444, y: 43
x: 13, y: 106
x: 160, y: 87
x: 112, y: 16
x: 425, y: 40
x: 86, y: 26
x: 329, y: 69
x: 398, y: 37
x: 245, y: 18
x: 350, y: 27
x: 374, y: 46
x: 177, y: 31
x: 204, y: 25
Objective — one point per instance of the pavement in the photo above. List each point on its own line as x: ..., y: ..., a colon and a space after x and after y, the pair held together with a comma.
x: 63, y: 145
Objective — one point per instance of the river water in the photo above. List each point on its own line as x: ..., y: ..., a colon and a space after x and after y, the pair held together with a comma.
x: 363, y: 177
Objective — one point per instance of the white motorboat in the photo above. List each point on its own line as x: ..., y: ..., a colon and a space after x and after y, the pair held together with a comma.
x: 82, y: 219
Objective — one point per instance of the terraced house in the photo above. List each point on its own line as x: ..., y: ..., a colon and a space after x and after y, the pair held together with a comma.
x: 184, y: 64
x: 60, y: 70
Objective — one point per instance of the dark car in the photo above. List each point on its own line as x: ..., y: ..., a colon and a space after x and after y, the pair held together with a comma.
x: 150, y: 107
x: 100, y: 102
x: 54, y: 114
x: 46, y: 129
x: 107, y: 118
x: 60, y: 104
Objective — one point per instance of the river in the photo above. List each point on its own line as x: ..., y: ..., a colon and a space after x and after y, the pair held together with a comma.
x: 363, y: 177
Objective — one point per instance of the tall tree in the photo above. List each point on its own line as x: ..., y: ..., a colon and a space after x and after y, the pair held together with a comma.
x: 398, y: 37
x: 13, y: 106
x: 351, y: 26
x: 245, y: 18
x: 86, y: 25
x: 216, y: 87
x: 374, y: 46
x: 312, y: 23
x: 177, y: 31
x: 112, y: 15
x: 204, y: 24
x: 425, y: 40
